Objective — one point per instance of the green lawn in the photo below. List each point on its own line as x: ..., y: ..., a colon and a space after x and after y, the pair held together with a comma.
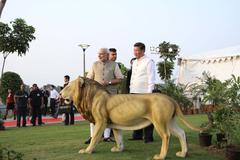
x: 58, y: 142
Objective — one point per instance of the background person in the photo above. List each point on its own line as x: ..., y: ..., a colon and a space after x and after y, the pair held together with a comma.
x: 10, y: 105
x: 129, y: 74
x: 112, y: 56
x: 36, y: 103
x: 46, y: 95
x: 70, y: 115
x: 21, y: 99
x: 54, y: 96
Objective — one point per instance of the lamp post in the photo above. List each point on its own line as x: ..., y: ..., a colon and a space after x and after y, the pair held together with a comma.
x: 84, y: 47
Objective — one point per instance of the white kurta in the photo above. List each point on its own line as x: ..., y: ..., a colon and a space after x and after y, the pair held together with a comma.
x: 143, y: 75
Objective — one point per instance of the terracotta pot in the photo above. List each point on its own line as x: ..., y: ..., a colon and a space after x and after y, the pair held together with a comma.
x: 205, y: 139
x: 232, y: 152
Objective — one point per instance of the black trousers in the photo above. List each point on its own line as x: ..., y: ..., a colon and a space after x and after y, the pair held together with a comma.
x: 21, y: 113
x: 146, y: 133
x: 36, y: 112
x: 45, y: 106
x: 53, y: 106
x: 71, y: 115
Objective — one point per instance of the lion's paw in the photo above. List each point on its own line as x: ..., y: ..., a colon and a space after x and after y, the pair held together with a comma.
x: 158, y: 157
x: 84, y: 151
x: 116, y: 149
x: 181, y: 154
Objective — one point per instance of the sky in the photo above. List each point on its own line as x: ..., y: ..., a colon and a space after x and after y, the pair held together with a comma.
x: 197, y: 26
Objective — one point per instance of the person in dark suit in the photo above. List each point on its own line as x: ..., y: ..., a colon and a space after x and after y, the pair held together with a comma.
x: 21, y: 99
x: 129, y: 74
x: 37, y: 104
x: 46, y: 94
x: 69, y: 114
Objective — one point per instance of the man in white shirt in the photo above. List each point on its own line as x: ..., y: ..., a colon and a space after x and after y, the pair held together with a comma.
x: 109, y: 75
x: 54, y: 95
x: 142, y: 81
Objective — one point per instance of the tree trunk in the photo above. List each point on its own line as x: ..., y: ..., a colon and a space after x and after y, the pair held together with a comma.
x: 5, y: 55
x: 2, y: 4
x: 4, y: 60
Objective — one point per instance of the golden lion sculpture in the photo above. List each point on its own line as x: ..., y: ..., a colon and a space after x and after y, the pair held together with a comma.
x: 126, y: 112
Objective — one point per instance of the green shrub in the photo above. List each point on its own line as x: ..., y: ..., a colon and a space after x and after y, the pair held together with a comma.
x: 177, y: 92
x: 9, y: 80
x: 227, y: 121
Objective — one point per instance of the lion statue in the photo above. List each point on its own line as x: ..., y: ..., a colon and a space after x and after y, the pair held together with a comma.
x: 126, y: 112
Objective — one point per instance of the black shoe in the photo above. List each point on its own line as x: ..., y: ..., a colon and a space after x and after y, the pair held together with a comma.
x: 88, y: 141
x: 135, y: 139
x: 108, y: 140
x: 148, y: 140
x: 41, y: 124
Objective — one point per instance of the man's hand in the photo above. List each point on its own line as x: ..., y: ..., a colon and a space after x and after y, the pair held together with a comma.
x: 106, y: 83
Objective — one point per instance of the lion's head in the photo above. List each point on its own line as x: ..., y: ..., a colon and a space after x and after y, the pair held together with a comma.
x: 69, y: 92
x: 81, y: 92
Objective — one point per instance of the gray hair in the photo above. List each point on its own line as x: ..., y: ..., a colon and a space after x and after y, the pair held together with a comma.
x: 105, y: 50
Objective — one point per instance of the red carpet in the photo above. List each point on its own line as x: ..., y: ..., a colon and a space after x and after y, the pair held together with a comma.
x: 46, y: 120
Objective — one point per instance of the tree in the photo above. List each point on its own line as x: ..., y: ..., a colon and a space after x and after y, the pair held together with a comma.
x: 9, y: 80
x: 15, y: 39
x: 168, y: 53
x: 2, y: 4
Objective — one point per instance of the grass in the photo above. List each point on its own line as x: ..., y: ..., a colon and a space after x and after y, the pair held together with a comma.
x: 58, y: 142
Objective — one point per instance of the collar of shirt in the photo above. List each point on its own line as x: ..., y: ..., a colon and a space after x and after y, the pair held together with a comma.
x: 140, y: 59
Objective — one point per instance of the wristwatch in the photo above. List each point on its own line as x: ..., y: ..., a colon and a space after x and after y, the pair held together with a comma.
x: 109, y: 82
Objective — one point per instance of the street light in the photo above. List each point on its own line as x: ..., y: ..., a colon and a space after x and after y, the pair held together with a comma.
x: 84, y: 47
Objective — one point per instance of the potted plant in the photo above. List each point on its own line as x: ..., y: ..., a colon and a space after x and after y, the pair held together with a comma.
x: 205, y: 137
x: 214, y: 92
x: 231, y: 128
x: 220, y: 117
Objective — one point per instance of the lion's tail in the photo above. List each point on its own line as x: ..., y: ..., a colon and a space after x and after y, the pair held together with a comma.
x: 183, y: 119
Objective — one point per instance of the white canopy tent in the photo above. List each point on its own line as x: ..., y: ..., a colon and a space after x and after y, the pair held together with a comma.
x: 219, y: 63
